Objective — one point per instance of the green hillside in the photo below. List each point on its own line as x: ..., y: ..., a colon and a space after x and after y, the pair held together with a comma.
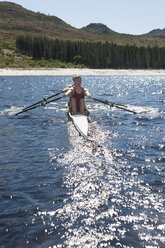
x: 16, y: 20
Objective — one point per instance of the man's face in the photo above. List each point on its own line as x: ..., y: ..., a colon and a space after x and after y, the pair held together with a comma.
x: 77, y: 81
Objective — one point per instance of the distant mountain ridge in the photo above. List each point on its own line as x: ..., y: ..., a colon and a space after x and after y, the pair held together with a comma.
x: 97, y: 28
x: 16, y: 20
x: 102, y: 28
x: 157, y: 32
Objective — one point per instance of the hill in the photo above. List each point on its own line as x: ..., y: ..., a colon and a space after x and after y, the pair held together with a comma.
x: 16, y: 20
x: 98, y: 28
x: 157, y: 33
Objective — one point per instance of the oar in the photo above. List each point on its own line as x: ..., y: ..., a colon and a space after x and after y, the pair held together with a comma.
x: 42, y: 101
x: 111, y: 104
x: 39, y: 105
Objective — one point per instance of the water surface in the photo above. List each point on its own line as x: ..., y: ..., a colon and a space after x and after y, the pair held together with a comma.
x: 58, y: 190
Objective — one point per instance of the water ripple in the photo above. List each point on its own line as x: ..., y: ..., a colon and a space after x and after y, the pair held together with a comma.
x: 58, y: 190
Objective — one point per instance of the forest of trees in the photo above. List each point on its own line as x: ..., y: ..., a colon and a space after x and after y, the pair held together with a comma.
x: 93, y: 54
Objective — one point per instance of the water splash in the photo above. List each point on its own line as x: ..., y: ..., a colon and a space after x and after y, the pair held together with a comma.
x: 11, y: 111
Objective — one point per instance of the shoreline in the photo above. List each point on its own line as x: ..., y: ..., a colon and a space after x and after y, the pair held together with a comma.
x: 72, y: 71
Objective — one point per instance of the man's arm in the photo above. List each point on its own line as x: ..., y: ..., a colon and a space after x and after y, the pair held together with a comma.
x: 67, y: 88
x: 87, y: 93
x: 68, y: 92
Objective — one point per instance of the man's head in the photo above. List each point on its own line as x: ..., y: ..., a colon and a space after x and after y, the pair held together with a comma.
x: 77, y: 79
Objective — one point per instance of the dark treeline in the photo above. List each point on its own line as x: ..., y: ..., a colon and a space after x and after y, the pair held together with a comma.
x: 93, y: 54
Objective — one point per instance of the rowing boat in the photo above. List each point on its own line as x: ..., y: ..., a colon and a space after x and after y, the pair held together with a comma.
x: 81, y: 123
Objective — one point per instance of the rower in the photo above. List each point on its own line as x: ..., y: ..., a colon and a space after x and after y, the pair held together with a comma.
x: 77, y: 94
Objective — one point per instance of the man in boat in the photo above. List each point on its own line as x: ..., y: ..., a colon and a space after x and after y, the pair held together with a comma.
x: 77, y: 94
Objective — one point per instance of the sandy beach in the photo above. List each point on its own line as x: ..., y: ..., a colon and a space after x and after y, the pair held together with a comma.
x: 72, y: 71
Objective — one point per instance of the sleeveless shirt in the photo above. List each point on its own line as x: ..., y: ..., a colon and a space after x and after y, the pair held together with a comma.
x: 78, y: 97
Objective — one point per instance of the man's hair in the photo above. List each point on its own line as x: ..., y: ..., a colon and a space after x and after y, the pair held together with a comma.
x: 76, y: 76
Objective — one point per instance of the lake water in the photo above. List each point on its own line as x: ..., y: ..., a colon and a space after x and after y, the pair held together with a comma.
x: 59, y: 190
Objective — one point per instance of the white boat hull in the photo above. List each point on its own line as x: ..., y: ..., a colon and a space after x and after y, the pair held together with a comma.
x: 81, y: 123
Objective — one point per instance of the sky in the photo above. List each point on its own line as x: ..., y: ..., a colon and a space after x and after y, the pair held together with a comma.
x: 123, y: 16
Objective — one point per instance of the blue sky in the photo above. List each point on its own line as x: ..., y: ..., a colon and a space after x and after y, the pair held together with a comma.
x: 123, y: 16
